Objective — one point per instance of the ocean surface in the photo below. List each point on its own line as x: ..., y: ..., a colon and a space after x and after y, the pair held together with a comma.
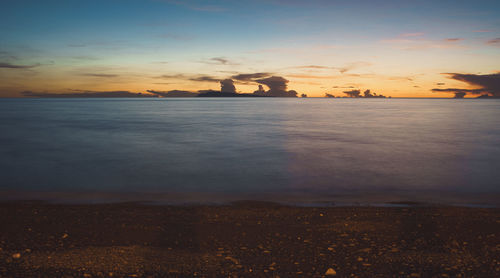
x: 216, y: 149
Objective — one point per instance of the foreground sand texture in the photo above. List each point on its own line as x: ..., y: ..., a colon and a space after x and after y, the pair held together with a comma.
x: 247, y: 239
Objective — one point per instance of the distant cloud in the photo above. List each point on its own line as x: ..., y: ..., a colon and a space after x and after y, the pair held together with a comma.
x: 250, y: 76
x: 495, y: 41
x: 85, y: 94
x: 460, y: 95
x: 218, y: 61
x: 353, y: 93
x: 366, y: 94
x: 204, y: 78
x: 482, y: 31
x: 103, y: 75
x: 488, y: 83
x: 13, y: 66
x: 440, y: 84
x: 227, y: 86
x: 173, y: 93
x: 420, y: 43
x: 277, y: 87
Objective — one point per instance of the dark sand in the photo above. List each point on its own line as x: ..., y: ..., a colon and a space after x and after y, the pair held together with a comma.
x: 247, y: 239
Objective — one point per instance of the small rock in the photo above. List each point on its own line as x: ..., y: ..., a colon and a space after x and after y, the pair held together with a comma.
x: 65, y: 236
x: 331, y: 272
x: 16, y: 256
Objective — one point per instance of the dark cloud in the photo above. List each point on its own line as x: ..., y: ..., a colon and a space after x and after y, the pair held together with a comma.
x: 353, y: 93
x: 103, y: 75
x: 329, y: 95
x: 495, y: 41
x: 85, y: 94
x: 12, y: 66
x: 204, y: 78
x: 440, y: 84
x: 460, y: 95
x: 366, y: 94
x: 250, y: 76
x: 489, y: 83
x: 173, y: 93
x: 227, y: 85
x: 277, y: 86
x: 453, y: 39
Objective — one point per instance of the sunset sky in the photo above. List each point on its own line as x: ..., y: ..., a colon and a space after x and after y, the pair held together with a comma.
x: 396, y: 48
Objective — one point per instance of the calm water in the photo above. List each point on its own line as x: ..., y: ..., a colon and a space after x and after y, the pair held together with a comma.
x: 441, y: 150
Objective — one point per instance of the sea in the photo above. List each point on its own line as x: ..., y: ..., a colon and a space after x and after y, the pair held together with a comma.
x: 305, y: 151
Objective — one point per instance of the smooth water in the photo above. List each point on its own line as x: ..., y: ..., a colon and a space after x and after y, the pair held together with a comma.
x: 301, y: 147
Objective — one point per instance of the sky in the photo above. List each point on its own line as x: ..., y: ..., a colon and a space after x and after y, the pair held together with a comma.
x: 395, y: 48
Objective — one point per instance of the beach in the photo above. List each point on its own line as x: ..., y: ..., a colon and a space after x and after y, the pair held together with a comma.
x: 247, y: 239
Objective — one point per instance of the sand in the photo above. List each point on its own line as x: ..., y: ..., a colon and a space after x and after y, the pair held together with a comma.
x: 247, y: 239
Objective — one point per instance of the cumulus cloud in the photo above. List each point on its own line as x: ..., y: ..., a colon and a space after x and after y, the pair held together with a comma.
x: 366, y: 94
x: 85, y: 94
x: 227, y: 85
x: 277, y: 86
x: 13, y: 66
x: 353, y: 93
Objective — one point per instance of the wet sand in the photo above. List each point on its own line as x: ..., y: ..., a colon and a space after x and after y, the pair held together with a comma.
x: 247, y: 239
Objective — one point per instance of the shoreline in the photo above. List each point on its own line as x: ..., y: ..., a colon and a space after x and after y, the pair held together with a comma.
x: 247, y: 238
x: 299, y: 199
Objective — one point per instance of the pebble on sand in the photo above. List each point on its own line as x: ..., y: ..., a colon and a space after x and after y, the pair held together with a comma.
x: 331, y: 272
x: 16, y: 255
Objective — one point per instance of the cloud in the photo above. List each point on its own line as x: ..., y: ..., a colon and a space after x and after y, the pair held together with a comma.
x: 482, y: 31
x: 353, y: 65
x: 173, y: 93
x: 489, y: 83
x: 457, y: 90
x: 366, y: 94
x: 197, y: 78
x: 227, y: 86
x: 204, y: 78
x: 85, y: 94
x: 13, y: 66
x: 460, y: 95
x: 277, y: 87
x: 420, y: 43
x: 103, y: 75
x: 440, y: 84
x: 495, y: 41
x: 353, y: 93
x: 250, y: 76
